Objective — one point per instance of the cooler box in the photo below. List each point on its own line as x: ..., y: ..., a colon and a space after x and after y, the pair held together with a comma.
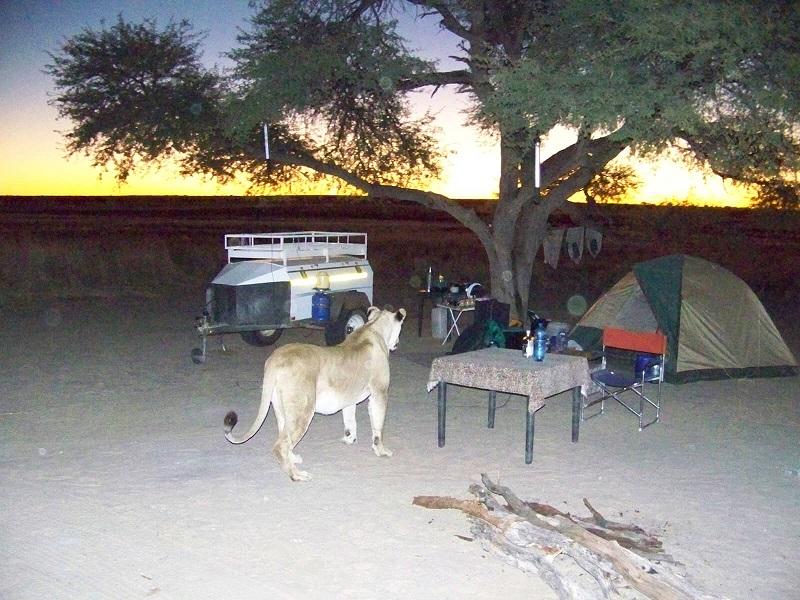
x: 438, y: 322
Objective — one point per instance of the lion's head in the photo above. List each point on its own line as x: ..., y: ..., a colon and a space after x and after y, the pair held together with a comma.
x: 388, y: 323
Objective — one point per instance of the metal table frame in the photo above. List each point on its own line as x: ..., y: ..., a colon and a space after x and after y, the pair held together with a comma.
x: 454, y: 314
x: 576, y: 378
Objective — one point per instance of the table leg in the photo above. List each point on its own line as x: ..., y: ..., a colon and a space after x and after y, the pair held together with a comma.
x: 456, y: 316
x: 441, y: 394
x: 529, y: 423
x: 419, y: 314
x: 576, y: 412
x: 492, y: 405
x: 450, y: 317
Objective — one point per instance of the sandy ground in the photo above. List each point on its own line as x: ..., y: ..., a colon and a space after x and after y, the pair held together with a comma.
x: 118, y: 483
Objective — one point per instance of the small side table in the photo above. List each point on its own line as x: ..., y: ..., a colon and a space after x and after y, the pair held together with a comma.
x: 454, y: 314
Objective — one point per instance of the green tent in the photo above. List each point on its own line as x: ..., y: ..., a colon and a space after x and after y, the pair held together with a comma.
x: 715, y: 325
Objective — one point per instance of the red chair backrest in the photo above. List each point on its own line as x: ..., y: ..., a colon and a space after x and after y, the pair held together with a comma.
x: 639, y: 341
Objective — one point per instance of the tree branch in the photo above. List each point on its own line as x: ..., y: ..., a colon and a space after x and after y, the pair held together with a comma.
x: 449, y: 20
x: 466, y: 216
x: 575, y: 166
x: 637, y: 571
x: 540, y: 538
x: 471, y: 507
x: 698, y: 149
x: 458, y: 77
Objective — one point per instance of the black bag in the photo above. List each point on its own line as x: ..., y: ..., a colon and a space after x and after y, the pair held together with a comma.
x: 479, y: 335
x: 470, y: 339
x: 491, y: 309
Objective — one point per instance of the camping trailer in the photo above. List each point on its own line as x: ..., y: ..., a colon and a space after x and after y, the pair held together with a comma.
x: 716, y: 326
x: 274, y: 281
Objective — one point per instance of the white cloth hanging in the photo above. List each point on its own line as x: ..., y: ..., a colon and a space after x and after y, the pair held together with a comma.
x: 594, y: 241
x: 551, y: 246
x: 575, y: 243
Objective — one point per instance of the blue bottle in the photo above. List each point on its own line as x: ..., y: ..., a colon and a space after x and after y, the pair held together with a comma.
x: 540, y: 344
x: 320, y: 307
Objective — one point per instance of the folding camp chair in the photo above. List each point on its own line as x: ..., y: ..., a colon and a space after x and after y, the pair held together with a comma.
x: 647, y: 369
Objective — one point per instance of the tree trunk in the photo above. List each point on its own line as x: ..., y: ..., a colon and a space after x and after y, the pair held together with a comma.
x: 531, y: 230
x: 508, y: 284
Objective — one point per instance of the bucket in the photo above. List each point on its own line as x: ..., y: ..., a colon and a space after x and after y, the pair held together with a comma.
x: 647, y: 364
x: 320, y: 307
x: 438, y: 322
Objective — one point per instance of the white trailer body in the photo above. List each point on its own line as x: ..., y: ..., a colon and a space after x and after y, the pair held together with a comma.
x: 271, y: 278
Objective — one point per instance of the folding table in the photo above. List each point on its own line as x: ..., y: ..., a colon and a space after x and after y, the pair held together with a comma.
x: 504, y: 370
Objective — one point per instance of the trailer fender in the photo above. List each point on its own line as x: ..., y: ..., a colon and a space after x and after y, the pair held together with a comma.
x: 347, y: 301
x: 346, y: 308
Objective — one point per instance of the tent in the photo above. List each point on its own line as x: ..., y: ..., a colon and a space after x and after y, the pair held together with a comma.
x: 715, y: 325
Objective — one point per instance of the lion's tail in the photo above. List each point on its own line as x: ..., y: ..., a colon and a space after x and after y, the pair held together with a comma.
x: 232, y: 418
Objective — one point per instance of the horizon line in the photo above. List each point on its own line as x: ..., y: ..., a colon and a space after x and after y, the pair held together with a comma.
x: 680, y: 203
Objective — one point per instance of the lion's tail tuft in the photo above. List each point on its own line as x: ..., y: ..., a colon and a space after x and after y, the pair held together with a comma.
x: 230, y: 421
x: 231, y: 418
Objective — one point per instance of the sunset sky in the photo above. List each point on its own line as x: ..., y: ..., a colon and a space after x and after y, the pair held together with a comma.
x: 33, y: 160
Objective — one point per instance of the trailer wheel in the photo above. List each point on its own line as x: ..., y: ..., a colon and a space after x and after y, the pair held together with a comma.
x: 264, y: 337
x: 347, y: 323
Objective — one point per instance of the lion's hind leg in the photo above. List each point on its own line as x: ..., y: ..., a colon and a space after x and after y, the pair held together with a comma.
x: 288, y: 459
x: 293, y: 423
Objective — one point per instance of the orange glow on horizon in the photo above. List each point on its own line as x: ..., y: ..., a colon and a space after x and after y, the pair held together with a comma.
x: 471, y: 173
x: 669, y: 181
x: 32, y: 163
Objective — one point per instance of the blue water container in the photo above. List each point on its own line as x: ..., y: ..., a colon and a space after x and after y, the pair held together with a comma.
x: 320, y: 307
x: 539, y: 344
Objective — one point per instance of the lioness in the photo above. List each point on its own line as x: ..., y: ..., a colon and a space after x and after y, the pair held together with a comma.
x: 301, y: 379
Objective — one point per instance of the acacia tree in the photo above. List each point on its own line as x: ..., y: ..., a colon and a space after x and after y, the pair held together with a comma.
x: 332, y: 79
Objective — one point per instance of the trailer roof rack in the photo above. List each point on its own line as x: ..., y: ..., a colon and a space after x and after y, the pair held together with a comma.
x: 295, y: 245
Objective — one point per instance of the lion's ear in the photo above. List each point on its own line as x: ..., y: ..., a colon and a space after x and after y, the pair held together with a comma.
x: 400, y: 315
x: 372, y: 313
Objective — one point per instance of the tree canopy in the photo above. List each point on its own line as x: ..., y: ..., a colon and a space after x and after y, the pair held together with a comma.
x: 135, y: 93
x: 716, y: 79
x: 333, y: 78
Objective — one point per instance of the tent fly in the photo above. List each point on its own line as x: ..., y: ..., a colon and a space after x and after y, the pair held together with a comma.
x: 715, y: 325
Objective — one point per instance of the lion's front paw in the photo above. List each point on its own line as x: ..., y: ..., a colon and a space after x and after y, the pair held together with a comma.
x: 349, y: 438
x: 380, y: 450
x: 297, y: 475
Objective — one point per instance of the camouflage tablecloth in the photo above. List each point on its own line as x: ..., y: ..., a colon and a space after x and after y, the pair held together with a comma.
x: 509, y: 371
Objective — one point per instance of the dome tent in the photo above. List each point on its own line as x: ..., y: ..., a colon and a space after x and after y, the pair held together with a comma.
x: 716, y: 327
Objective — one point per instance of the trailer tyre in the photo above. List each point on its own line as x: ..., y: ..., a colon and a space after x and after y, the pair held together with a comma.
x: 264, y: 337
x: 347, y: 323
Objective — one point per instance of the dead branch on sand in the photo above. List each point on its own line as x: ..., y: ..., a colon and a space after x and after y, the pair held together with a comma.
x: 579, y: 557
